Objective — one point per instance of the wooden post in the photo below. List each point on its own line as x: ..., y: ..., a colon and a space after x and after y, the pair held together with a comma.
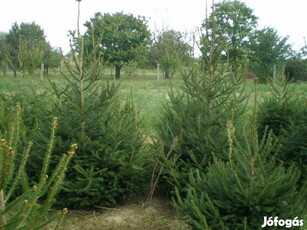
x: 274, y: 72
x: 62, y: 64
x: 42, y: 71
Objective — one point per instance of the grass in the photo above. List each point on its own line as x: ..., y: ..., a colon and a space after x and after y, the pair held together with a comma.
x: 148, y: 95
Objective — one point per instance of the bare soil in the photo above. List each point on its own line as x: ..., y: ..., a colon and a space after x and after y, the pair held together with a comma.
x: 159, y: 215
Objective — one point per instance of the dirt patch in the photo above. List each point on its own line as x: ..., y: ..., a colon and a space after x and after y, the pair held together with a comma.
x: 158, y: 216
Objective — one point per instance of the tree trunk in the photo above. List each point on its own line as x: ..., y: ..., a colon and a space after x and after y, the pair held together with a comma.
x: 15, y: 73
x: 117, y: 71
x: 166, y: 74
x: 46, y: 70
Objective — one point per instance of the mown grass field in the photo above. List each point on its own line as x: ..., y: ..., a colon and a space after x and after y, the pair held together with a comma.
x: 149, y: 95
x: 147, y: 92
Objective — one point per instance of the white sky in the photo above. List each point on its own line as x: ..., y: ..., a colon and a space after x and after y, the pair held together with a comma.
x: 56, y: 17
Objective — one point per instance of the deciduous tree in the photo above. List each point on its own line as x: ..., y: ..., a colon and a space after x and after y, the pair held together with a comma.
x: 170, y: 50
x: 234, y: 23
x: 123, y: 37
x: 25, y: 46
x: 268, y: 49
x: 52, y: 57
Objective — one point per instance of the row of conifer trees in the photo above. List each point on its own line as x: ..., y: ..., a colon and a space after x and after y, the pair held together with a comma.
x: 227, y: 157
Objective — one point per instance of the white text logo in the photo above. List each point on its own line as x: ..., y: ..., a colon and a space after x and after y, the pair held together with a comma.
x: 288, y: 223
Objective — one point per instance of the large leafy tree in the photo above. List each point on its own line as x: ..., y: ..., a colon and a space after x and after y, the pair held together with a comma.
x: 268, y: 49
x: 26, y: 44
x: 233, y: 23
x: 123, y: 37
x: 170, y: 50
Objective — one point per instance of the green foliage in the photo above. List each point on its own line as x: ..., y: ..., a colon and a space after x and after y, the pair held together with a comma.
x: 268, y: 49
x: 197, y: 117
x: 109, y: 166
x: 52, y: 57
x: 131, y: 69
x: 296, y: 69
x: 284, y: 112
x: 170, y: 50
x: 25, y: 47
x: 3, y: 51
x: 123, y: 37
x: 279, y: 108
x: 28, y: 208
x: 34, y: 102
x: 237, y: 194
x: 232, y: 22
x: 211, y: 95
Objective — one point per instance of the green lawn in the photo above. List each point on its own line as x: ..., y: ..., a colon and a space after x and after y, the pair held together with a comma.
x: 147, y: 92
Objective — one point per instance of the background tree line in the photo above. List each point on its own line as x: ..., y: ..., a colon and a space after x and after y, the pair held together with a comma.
x: 25, y: 47
x: 125, y: 38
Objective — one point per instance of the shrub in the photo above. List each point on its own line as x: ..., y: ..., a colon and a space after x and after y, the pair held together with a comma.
x: 29, y: 208
x: 237, y: 194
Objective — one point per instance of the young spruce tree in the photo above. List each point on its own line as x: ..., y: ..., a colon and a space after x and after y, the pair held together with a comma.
x: 29, y: 208
x: 252, y: 184
x: 108, y: 165
x: 210, y: 95
x: 285, y: 113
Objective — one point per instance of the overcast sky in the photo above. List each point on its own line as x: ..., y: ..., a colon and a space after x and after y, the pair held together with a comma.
x: 56, y: 17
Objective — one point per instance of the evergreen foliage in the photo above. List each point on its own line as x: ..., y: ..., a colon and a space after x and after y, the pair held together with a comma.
x: 278, y: 109
x: 29, y: 208
x: 211, y: 94
x: 197, y: 116
x: 285, y: 114
x: 109, y: 166
x: 237, y: 194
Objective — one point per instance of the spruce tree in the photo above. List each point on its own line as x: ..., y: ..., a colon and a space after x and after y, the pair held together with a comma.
x: 26, y: 203
x: 284, y: 112
x: 108, y: 167
x: 237, y: 194
x: 210, y: 95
